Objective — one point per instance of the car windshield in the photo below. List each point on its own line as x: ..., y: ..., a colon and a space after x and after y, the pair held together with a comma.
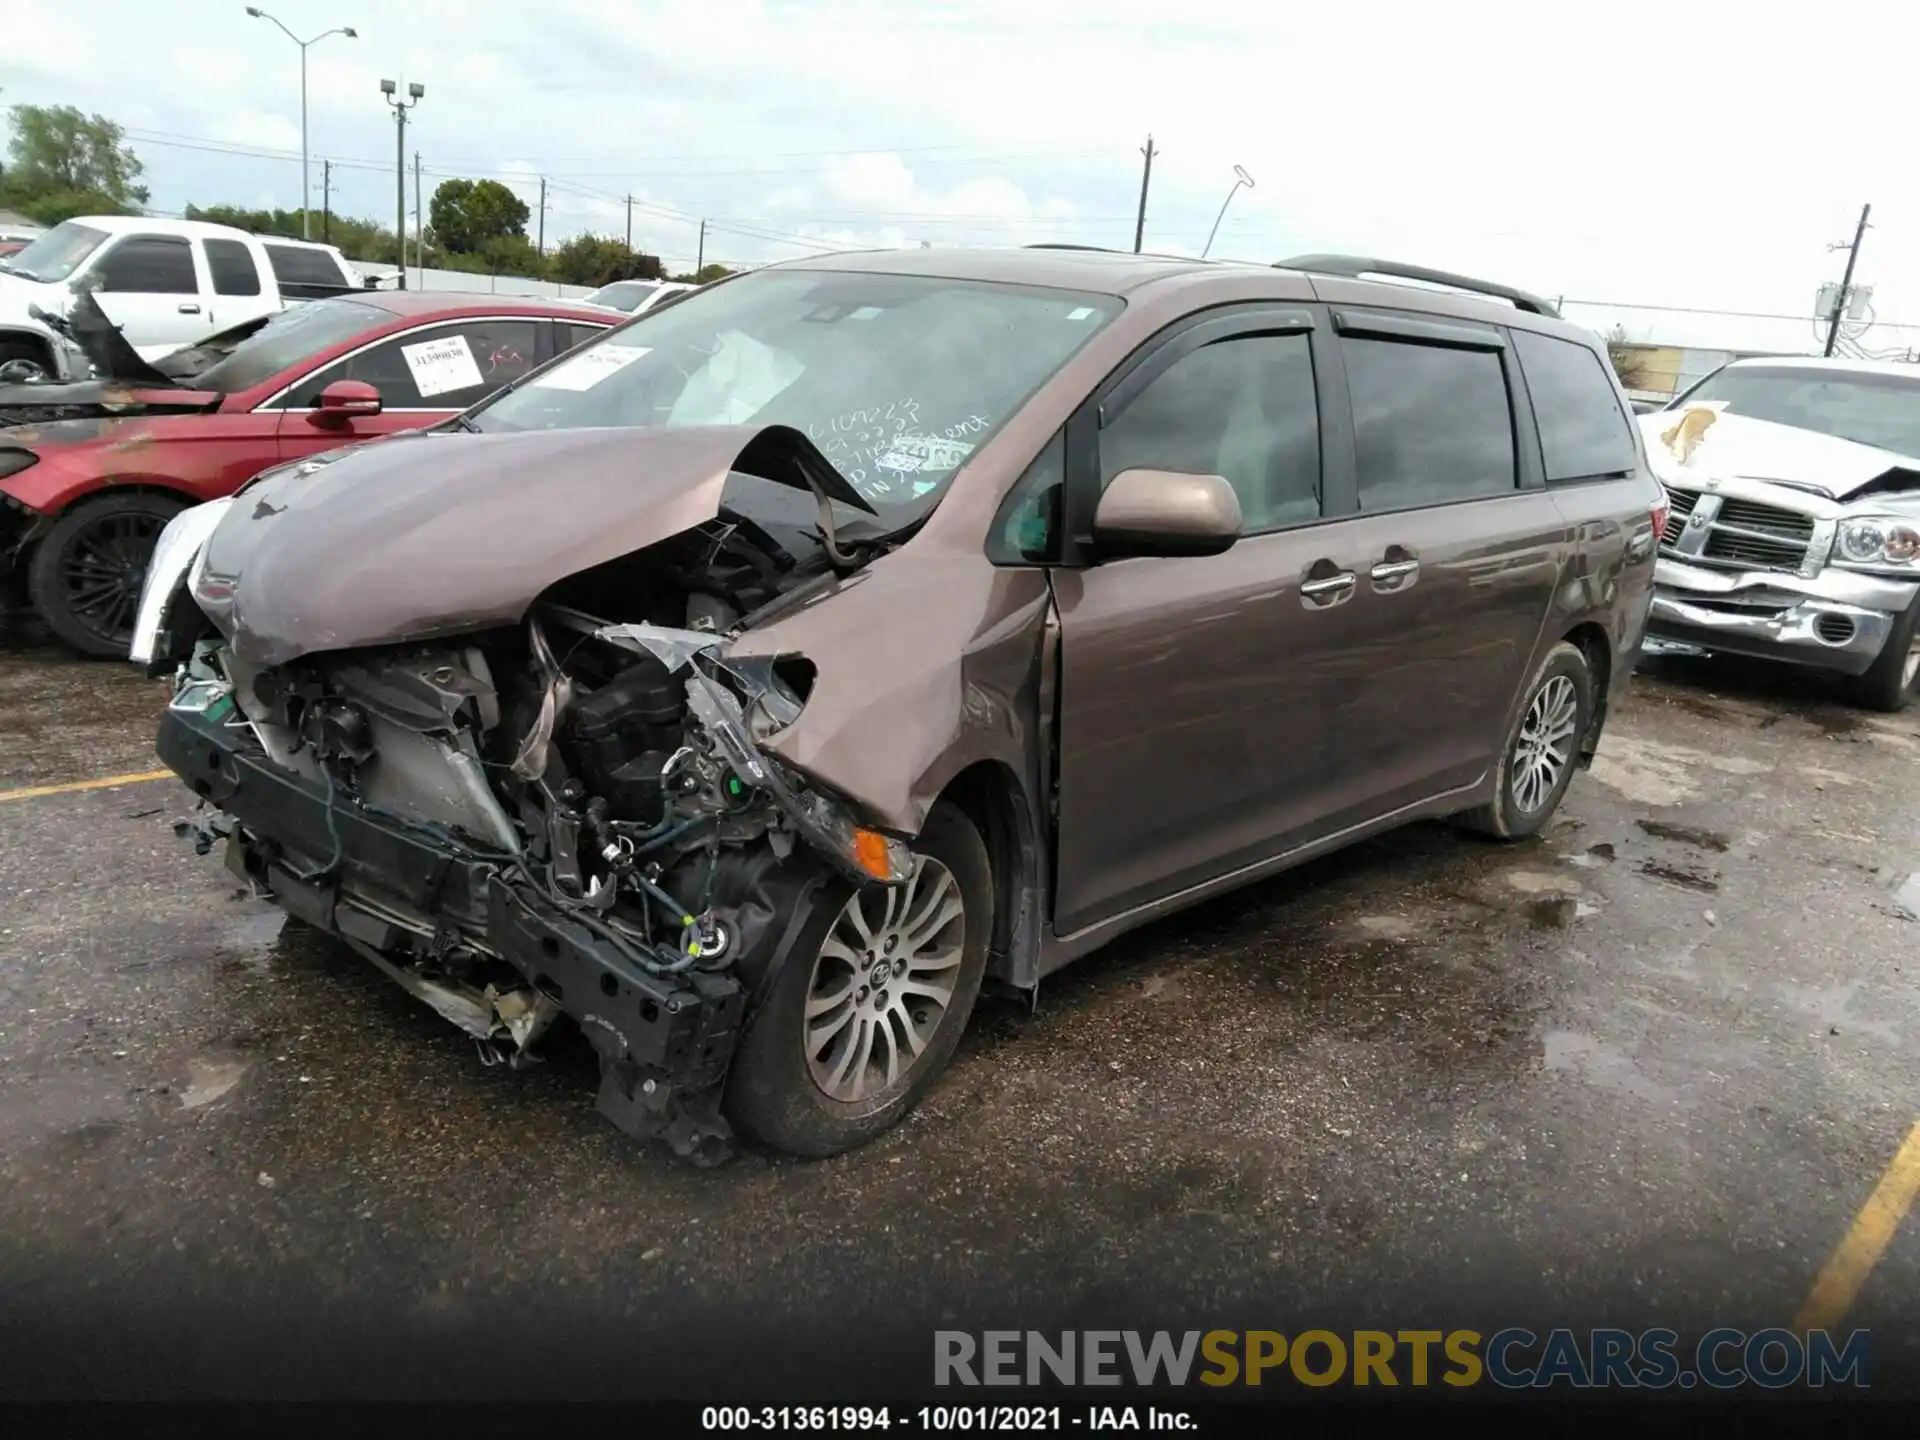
x: 56, y: 254
x: 623, y: 294
x: 250, y: 354
x: 1880, y: 410
x: 896, y: 378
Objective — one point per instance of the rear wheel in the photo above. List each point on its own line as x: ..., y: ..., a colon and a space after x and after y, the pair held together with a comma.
x: 868, y: 1009
x: 1889, y: 683
x: 1543, y: 749
x: 86, y: 574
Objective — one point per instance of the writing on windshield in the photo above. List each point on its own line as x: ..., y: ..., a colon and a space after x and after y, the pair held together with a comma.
x: 897, y: 379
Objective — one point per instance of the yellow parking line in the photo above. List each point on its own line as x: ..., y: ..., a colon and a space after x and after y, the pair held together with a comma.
x: 1850, y: 1264
x: 34, y: 792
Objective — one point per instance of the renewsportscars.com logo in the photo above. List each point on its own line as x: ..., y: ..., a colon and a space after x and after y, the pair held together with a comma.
x: 1514, y: 1359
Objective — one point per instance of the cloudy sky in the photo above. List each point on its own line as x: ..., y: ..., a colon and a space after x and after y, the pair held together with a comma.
x: 1688, y: 155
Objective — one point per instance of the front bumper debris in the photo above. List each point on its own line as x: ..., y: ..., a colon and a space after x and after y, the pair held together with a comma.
x: 665, y: 1043
x: 1836, y: 620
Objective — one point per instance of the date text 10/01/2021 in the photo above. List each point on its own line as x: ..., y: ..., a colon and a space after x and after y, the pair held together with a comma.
x: 943, y: 1418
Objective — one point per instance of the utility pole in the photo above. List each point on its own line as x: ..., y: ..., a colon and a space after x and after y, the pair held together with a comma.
x: 419, y: 229
x: 542, y: 245
x: 1846, y: 280
x: 629, y: 222
x: 1146, y: 175
x: 700, y: 256
x: 326, y: 201
x: 400, y: 107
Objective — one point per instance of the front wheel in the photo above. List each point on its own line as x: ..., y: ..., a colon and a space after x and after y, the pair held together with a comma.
x: 867, y: 1010
x: 24, y: 361
x: 1543, y: 749
x: 1888, y: 684
x: 86, y: 574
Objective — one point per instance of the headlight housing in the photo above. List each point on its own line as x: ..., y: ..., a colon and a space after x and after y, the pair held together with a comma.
x: 1878, y: 542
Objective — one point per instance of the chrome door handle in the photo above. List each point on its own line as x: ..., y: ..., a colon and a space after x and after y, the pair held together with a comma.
x: 1319, y: 594
x: 1640, y: 546
x: 1394, y: 574
x: 189, y: 309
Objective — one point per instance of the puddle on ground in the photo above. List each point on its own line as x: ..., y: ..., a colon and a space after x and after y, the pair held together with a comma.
x: 1685, y: 834
x: 1685, y: 878
x: 208, y: 1080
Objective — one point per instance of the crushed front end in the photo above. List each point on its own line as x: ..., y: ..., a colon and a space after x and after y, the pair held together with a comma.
x: 1782, y: 543
x: 567, y: 817
x: 1748, y: 567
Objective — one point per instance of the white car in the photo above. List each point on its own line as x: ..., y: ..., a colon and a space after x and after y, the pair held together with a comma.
x: 636, y: 296
x: 166, y: 283
x: 1794, y: 532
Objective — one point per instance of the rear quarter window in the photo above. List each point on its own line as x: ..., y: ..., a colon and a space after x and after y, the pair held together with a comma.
x: 1584, y: 433
x: 233, y: 268
x: 296, y: 265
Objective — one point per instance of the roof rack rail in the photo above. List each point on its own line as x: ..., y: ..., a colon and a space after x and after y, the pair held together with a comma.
x: 1355, y: 267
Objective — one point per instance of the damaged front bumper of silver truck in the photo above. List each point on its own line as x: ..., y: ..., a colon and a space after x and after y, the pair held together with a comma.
x: 1778, y: 572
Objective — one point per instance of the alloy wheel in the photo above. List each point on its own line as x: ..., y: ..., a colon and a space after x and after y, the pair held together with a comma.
x: 883, y: 982
x: 1910, y: 671
x: 104, y: 569
x: 1543, y: 749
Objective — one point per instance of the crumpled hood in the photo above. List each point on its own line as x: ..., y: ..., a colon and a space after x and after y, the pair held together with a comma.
x: 456, y: 531
x: 1690, y: 451
x: 46, y: 404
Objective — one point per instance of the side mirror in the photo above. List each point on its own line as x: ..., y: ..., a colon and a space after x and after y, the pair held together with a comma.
x: 1166, y: 512
x: 342, y: 400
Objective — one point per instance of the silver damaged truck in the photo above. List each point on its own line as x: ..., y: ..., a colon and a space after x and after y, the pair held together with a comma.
x: 1794, y: 533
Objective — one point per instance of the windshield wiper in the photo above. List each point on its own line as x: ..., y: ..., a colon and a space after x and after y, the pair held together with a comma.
x: 462, y: 422
x: 16, y: 270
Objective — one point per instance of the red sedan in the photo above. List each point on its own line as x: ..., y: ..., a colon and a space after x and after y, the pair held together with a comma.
x: 82, y: 500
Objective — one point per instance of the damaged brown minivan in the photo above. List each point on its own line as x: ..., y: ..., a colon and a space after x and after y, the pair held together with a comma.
x: 750, y: 686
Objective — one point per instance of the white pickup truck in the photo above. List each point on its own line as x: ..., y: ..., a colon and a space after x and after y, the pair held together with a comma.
x: 166, y: 284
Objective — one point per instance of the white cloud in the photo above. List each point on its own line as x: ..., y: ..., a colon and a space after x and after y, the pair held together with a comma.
x: 1687, y: 156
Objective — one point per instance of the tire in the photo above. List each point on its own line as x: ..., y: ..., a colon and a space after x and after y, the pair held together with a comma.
x: 35, y: 355
x: 1890, y: 682
x: 85, y: 575
x: 1510, y: 816
x: 777, y: 1092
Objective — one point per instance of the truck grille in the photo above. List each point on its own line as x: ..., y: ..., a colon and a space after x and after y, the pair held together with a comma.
x: 1744, y: 533
x: 1680, y: 505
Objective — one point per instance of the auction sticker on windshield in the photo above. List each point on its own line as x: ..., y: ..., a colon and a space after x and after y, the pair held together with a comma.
x: 442, y: 366
x: 590, y: 367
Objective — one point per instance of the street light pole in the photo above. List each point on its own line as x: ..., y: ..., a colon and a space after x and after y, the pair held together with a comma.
x: 400, y: 108
x: 306, y: 192
x: 1240, y: 177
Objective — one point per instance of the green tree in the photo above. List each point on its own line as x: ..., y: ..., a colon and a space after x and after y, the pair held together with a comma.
x: 356, y: 239
x: 705, y: 275
x: 598, y: 260
x: 55, y: 147
x: 63, y: 163
x: 467, y: 214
